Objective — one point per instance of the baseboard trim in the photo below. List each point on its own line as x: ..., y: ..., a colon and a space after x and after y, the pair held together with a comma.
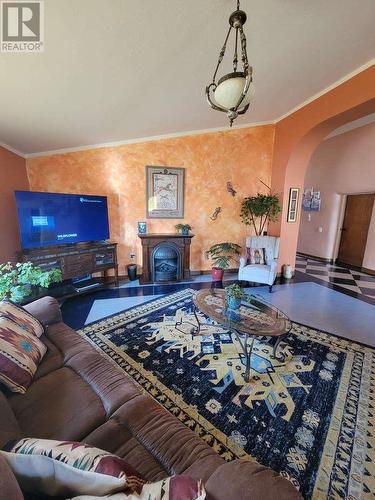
x: 315, y: 257
x: 208, y: 271
x: 192, y: 273
x: 368, y: 271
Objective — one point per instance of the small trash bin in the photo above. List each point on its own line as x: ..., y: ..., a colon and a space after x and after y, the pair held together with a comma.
x: 132, y: 271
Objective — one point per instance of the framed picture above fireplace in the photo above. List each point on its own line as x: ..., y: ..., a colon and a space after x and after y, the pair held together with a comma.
x: 165, y: 192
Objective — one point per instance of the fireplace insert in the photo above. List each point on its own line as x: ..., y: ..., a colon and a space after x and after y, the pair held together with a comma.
x: 166, y: 262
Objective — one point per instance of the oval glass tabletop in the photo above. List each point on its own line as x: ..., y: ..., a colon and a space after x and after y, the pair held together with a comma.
x: 254, y: 316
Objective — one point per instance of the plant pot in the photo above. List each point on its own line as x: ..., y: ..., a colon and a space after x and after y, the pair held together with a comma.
x: 132, y: 271
x: 233, y: 303
x: 217, y: 274
x: 185, y: 232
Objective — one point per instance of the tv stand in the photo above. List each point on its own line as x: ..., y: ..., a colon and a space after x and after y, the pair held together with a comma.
x: 76, y: 260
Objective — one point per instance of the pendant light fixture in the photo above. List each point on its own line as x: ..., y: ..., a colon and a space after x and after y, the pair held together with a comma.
x: 233, y: 92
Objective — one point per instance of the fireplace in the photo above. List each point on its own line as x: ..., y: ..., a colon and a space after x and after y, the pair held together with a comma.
x: 165, y: 257
x: 166, y: 262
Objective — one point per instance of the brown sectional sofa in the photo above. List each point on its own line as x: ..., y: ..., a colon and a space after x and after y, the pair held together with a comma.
x: 79, y: 395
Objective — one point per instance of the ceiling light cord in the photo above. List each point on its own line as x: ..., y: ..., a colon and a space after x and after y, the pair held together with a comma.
x: 238, y: 4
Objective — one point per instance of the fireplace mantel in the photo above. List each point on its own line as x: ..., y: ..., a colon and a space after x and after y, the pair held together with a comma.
x: 152, y: 240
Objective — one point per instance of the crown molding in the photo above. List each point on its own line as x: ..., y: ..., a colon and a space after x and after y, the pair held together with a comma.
x: 328, y: 89
x: 140, y: 140
x: 12, y: 150
x: 194, y: 132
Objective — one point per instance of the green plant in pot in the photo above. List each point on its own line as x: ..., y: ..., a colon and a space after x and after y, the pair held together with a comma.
x: 17, y: 282
x: 234, y: 294
x: 259, y: 210
x: 183, y: 228
x: 221, y: 255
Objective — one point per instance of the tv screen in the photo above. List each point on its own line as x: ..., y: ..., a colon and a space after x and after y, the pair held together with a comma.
x: 56, y: 219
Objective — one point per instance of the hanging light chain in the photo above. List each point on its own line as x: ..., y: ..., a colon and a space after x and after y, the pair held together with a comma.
x: 235, y: 57
x: 222, y: 54
x: 245, y: 62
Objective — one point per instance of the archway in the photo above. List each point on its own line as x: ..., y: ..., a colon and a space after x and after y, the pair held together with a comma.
x: 298, y: 135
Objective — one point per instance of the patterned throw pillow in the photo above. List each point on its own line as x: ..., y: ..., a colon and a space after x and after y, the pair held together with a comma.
x: 20, y: 355
x: 67, y: 468
x: 22, y: 317
x: 63, y: 468
x: 172, y: 488
x: 256, y: 256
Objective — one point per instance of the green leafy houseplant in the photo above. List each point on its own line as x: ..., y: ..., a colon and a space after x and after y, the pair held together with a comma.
x: 260, y: 209
x: 16, y: 282
x: 183, y: 228
x: 221, y: 255
x: 234, y: 294
x: 235, y: 291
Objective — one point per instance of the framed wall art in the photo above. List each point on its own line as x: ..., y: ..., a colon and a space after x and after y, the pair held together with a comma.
x: 293, y: 205
x: 311, y: 200
x: 165, y: 192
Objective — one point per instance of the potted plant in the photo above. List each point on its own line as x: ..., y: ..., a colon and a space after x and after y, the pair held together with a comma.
x: 259, y: 210
x: 234, y: 295
x: 183, y: 229
x: 221, y: 254
x: 17, y: 282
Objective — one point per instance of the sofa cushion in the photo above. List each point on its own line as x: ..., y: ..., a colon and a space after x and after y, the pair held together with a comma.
x: 60, y: 405
x: 9, y: 428
x: 259, y: 273
x: 22, y: 317
x: 154, y: 442
x: 20, y: 354
x: 52, y: 360
x: 46, y: 309
x: 9, y: 488
x: 83, y: 358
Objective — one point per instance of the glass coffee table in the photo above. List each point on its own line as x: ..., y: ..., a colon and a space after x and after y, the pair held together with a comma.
x: 254, y: 318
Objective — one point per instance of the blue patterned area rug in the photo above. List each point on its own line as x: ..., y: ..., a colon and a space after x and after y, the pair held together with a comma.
x: 310, y: 417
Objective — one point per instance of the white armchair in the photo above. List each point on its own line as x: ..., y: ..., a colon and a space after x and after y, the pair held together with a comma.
x: 258, y: 273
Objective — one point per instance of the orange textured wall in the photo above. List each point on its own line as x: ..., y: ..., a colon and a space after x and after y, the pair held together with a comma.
x: 12, y: 177
x: 242, y: 156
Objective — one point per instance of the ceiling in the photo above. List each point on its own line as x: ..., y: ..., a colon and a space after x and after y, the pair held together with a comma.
x: 120, y: 70
x: 361, y: 122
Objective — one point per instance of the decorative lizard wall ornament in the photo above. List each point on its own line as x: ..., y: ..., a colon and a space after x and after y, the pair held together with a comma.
x: 230, y: 189
x: 216, y: 213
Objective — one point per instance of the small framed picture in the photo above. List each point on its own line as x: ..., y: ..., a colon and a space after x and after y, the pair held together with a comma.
x: 142, y: 227
x: 293, y: 205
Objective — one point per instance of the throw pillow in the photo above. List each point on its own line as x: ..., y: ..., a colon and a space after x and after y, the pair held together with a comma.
x: 22, y: 317
x: 172, y: 488
x: 20, y: 355
x: 256, y: 256
x: 63, y: 468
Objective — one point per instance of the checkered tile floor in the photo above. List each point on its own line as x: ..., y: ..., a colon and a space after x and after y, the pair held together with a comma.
x: 347, y: 278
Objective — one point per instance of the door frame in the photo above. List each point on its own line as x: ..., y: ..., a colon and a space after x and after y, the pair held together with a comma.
x: 340, y: 221
x: 344, y: 197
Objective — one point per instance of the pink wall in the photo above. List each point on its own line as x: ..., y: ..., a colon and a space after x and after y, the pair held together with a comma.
x: 13, y: 176
x: 344, y: 164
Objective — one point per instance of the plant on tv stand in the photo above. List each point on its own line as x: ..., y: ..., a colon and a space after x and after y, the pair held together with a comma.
x: 17, y: 282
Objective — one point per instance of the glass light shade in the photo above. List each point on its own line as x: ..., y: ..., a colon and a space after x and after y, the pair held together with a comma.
x: 229, y: 90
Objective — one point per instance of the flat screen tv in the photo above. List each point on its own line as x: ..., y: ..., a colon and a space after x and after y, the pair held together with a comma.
x: 47, y: 219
